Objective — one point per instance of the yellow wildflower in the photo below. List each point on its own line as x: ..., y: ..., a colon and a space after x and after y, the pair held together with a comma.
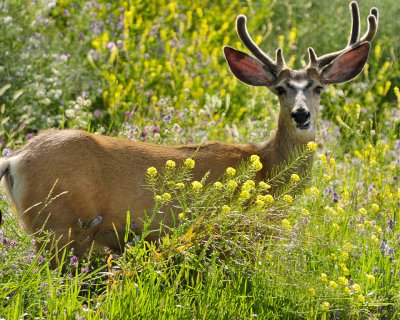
x: 225, y: 209
x: 356, y: 287
x: 324, y: 277
x: 295, y: 177
x: 312, y: 146
x: 264, y: 186
x: 347, y: 290
x: 361, y: 298
x: 244, y: 195
x: 254, y: 158
x: 375, y: 207
x: 166, y: 196
x: 374, y: 238
x: 314, y: 191
x: 370, y: 278
x: 333, y: 284
x: 268, y: 199
x: 322, y: 158
x: 343, y: 281
x: 368, y: 223
x: 196, y: 185
x: 218, y: 185
x: 311, y: 292
x: 181, y: 216
x: 257, y: 165
x: 287, y: 198
x: 180, y: 185
x: 327, y: 177
x: 158, y: 198
x: 259, y: 203
x: 325, y: 306
x: 170, y: 164
x: 190, y: 163
x: 286, y: 224
x: 232, y: 184
x: 248, y: 185
x: 231, y: 171
x: 344, y: 255
x: 305, y: 212
x: 362, y: 211
x: 348, y: 246
x: 152, y: 171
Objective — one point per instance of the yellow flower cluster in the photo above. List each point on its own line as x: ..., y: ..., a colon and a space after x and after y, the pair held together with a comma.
x: 343, y: 281
x: 218, y: 185
x: 189, y: 163
x: 295, y: 177
x: 325, y: 306
x: 152, y: 172
x: 249, y: 185
x: 255, y: 162
x: 225, y: 209
x: 286, y: 224
x: 231, y: 171
x: 267, y: 199
x: 312, y: 146
x: 196, y: 185
x: 170, y: 164
x: 244, y: 195
x: 287, y: 198
x: 264, y: 186
x: 232, y: 185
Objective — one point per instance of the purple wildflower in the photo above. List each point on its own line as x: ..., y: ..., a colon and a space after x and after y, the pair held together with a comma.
x: 85, y: 270
x: 40, y: 260
x: 168, y: 117
x: 111, y: 45
x: 6, y: 241
x: 6, y: 152
x: 155, y: 129
x: 335, y: 197
x: 98, y: 114
x: 74, y: 261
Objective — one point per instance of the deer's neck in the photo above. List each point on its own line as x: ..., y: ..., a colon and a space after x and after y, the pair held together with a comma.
x: 282, y: 146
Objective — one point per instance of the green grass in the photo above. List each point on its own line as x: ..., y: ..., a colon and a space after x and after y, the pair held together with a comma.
x: 332, y: 253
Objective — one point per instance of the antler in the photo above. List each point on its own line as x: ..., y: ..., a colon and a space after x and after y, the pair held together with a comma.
x: 354, y: 36
x: 244, y: 36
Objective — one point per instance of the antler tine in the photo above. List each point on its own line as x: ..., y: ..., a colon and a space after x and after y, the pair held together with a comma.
x: 280, y: 61
x: 249, y: 43
x: 355, y: 23
x: 372, y: 25
x: 354, y: 34
x: 313, y: 58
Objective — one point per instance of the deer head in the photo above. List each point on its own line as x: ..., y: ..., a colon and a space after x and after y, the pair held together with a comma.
x: 299, y: 91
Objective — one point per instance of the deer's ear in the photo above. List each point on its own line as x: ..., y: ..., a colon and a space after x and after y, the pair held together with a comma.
x: 248, y: 69
x: 347, y: 65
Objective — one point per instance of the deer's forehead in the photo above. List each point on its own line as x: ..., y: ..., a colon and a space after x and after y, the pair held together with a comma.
x: 298, y: 79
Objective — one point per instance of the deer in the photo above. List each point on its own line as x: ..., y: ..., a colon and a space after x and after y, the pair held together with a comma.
x: 62, y: 181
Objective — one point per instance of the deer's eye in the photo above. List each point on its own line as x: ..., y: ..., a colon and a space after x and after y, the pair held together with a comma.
x: 318, y: 90
x: 280, y: 90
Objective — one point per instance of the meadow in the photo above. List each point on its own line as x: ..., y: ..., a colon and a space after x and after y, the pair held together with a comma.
x: 154, y: 71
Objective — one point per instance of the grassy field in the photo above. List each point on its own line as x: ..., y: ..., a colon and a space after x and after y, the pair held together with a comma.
x: 154, y: 71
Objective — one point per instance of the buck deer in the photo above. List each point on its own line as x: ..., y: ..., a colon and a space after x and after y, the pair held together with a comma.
x: 91, y: 175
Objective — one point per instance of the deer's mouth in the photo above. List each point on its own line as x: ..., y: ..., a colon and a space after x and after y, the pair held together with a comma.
x: 303, y: 126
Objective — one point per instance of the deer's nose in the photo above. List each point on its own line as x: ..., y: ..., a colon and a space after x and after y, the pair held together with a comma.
x: 301, y: 115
